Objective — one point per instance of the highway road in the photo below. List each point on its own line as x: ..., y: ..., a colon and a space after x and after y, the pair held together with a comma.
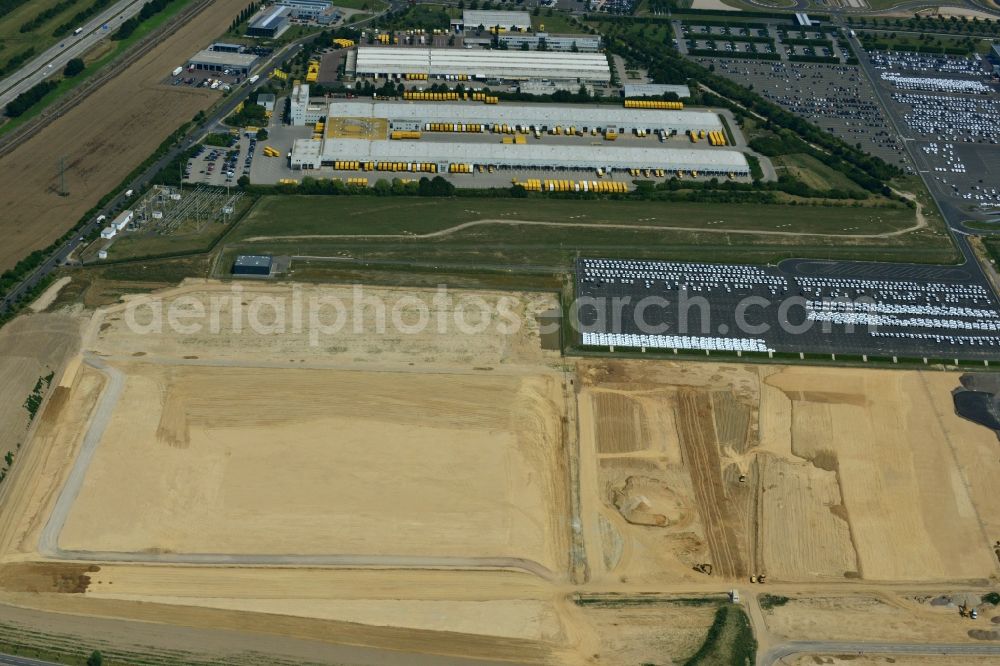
x: 63, y: 252
x: 55, y: 58
x: 60, y: 255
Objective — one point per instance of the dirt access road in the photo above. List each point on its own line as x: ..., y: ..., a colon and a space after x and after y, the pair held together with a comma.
x: 102, y: 139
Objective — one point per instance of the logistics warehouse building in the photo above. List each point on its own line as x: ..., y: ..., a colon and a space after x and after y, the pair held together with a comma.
x: 416, y: 115
x: 482, y: 64
x: 472, y: 149
x: 529, y: 156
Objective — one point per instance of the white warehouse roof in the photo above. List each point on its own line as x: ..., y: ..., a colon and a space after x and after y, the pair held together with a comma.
x: 474, y: 18
x: 540, y: 115
x: 531, y: 155
x: 483, y: 64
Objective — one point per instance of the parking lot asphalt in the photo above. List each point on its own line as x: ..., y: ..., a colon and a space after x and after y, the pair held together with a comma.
x: 835, y: 97
x: 881, y: 310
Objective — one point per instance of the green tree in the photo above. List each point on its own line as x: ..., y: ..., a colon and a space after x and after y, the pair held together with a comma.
x: 243, y: 181
x: 74, y: 67
x: 95, y: 659
x: 262, y: 134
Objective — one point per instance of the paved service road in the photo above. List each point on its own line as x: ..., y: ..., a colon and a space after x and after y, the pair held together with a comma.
x: 778, y: 652
x: 69, y: 47
x: 11, y: 660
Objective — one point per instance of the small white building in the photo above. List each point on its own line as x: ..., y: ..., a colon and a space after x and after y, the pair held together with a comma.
x: 108, y: 232
x: 122, y: 220
x: 102, y: 254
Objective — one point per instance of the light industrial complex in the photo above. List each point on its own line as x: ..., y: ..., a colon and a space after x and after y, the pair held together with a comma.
x: 459, y: 137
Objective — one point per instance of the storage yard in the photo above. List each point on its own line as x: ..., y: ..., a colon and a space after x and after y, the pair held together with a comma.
x: 796, y: 307
x: 476, y: 138
x: 948, y: 106
x: 836, y: 97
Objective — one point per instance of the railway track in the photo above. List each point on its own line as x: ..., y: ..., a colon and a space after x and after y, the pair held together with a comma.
x: 105, y: 74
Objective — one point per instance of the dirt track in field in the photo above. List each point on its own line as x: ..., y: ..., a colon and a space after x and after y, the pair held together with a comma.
x: 102, y: 139
x: 701, y: 454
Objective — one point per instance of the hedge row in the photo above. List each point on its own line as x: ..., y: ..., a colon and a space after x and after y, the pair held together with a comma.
x: 733, y: 54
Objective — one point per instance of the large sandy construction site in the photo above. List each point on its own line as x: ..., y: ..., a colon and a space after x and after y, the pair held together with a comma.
x: 459, y: 493
x: 798, y: 473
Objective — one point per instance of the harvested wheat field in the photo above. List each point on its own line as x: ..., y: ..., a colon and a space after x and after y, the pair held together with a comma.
x: 798, y: 473
x: 102, y: 139
x: 869, y: 618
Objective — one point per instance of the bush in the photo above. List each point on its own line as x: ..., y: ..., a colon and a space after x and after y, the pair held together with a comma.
x: 769, y: 601
x: 262, y: 134
x: 74, y: 67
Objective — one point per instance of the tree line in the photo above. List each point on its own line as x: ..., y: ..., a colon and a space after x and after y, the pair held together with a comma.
x: 250, y: 10
x: 43, y: 16
x: 16, y: 61
x: 148, y: 10
x: 29, y: 98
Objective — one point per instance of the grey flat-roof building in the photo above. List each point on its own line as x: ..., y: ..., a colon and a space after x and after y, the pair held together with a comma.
x: 995, y: 58
x: 511, y: 21
x: 710, y: 162
x: 306, y: 10
x: 223, y: 47
x: 482, y: 64
x: 270, y: 23
x: 415, y: 115
x: 631, y: 90
x: 252, y: 264
x: 266, y: 100
x: 219, y: 61
x: 582, y: 43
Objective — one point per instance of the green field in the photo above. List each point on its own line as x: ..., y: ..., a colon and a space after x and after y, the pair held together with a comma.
x: 119, y: 47
x: 41, y: 38
x: 392, y: 232
x: 814, y: 173
x: 557, y: 23
x: 364, y: 5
